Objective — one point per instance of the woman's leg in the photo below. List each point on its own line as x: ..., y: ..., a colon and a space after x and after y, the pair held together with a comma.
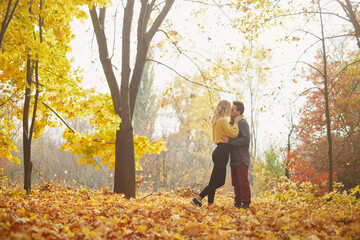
x: 220, y: 158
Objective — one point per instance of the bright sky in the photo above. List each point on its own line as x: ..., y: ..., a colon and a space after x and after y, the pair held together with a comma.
x: 272, y: 122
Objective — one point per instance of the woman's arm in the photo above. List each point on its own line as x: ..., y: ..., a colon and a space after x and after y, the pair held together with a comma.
x: 230, y: 131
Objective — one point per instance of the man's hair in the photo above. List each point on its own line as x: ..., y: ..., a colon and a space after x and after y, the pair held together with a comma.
x: 239, y: 106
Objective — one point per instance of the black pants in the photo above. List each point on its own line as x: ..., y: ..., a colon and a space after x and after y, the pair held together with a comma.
x: 220, y: 157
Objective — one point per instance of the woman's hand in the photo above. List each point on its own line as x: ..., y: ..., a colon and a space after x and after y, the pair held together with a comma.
x: 237, y: 119
x: 225, y: 139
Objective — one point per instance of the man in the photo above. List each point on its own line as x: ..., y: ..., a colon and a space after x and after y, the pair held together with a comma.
x: 240, y: 158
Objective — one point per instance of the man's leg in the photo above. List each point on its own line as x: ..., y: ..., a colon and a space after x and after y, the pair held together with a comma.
x: 236, y: 184
x: 244, y: 184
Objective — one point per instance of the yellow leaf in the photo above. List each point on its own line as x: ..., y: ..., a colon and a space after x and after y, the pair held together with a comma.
x: 88, y: 232
x: 141, y: 228
x: 127, y: 231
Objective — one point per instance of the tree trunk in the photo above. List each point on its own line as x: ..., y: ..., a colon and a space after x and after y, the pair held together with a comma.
x: 287, y: 174
x: 7, y: 18
x: 124, y: 181
x: 124, y: 101
x: 327, y: 110
x: 288, y: 155
x: 26, y: 133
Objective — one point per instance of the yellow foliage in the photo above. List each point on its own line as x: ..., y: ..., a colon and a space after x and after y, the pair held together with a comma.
x: 101, y: 141
x: 58, y: 84
x: 6, y: 144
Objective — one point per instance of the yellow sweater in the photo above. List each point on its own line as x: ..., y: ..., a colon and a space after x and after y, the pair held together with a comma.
x: 223, y: 128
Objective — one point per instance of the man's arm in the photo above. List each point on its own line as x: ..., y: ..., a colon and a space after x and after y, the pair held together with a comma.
x: 244, y: 132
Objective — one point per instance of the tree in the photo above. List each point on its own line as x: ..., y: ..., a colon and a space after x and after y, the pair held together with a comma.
x: 312, y: 11
x: 343, y: 87
x: 327, y: 82
x: 124, y: 99
x: 35, y: 68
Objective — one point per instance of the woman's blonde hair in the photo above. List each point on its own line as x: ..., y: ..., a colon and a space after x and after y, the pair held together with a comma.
x: 223, y: 109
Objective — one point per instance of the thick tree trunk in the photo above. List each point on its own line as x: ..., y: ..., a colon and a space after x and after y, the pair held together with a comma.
x: 124, y: 181
x: 124, y: 102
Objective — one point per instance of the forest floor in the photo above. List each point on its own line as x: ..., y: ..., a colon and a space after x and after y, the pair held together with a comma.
x: 63, y: 212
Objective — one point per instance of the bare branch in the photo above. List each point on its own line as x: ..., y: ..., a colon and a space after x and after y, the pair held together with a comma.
x: 311, y: 66
x: 185, y: 78
x: 306, y: 90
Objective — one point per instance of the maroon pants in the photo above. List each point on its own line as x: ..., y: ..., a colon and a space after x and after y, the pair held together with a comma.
x: 239, y: 179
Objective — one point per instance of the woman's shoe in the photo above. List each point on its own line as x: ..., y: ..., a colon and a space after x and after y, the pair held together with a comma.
x: 196, y: 202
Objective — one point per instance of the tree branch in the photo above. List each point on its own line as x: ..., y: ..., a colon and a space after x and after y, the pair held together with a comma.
x: 58, y: 117
x: 185, y: 78
x: 305, y: 92
x: 160, y: 18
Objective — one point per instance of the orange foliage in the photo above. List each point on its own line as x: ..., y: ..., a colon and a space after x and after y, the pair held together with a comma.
x: 344, y: 104
x: 303, y: 171
x: 62, y: 212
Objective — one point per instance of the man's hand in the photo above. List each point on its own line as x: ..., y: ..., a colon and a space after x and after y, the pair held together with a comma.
x: 225, y: 139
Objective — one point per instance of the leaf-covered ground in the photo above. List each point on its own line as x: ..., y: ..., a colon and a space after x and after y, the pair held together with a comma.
x: 58, y: 212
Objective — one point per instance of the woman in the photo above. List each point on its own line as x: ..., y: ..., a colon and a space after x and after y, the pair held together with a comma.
x: 220, y: 156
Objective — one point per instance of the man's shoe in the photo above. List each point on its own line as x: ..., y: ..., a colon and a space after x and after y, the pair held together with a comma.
x: 245, y: 206
x: 196, y: 202
x: 237, y: 205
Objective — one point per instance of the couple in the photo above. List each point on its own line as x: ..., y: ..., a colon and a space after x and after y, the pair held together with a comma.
x: 231, y: 139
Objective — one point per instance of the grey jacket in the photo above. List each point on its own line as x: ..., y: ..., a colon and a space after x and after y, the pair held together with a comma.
x: 240, y: 145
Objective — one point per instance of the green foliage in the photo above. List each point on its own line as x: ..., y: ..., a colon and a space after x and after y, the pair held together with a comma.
x: 268, y: 171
